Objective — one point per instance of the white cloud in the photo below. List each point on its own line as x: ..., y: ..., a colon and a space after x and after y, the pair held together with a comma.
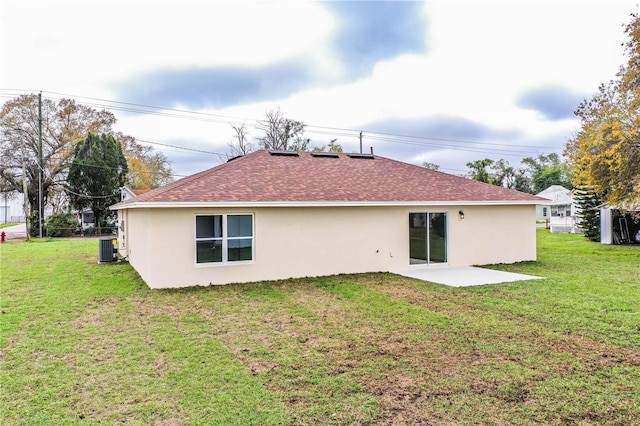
x: 481, y: 57
x: 68, y: 43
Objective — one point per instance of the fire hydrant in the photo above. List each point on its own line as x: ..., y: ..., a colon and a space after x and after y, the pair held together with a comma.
x: 3, y: 236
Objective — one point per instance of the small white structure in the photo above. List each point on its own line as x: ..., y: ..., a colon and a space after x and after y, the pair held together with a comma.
x: 11, y: 208
x: 561, y: 210
x: 618, y: 227
x: 127, y: 193
x: 87, y: 219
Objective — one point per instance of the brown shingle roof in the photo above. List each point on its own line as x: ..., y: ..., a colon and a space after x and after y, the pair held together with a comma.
x: 139, y: 191
x: 262, y: 177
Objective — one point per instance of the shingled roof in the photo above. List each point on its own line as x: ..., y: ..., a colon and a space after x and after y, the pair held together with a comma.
x: 264, y: 177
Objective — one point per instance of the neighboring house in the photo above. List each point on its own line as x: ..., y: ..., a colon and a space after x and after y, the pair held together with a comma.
x: 620, y: 226
x: 273, y: 215
x: 560, y: 211
x: 86, y: 217
x: 127, y: 193
x: 11, y: 207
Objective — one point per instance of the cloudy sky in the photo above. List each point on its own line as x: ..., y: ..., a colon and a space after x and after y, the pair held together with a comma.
x: 441, y: 81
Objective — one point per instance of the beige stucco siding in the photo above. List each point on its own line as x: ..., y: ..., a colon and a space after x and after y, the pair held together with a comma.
x: 314, y: 241
x: 492, y: 234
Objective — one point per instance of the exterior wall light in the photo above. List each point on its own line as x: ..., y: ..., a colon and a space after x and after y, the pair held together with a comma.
x: 461, y: 214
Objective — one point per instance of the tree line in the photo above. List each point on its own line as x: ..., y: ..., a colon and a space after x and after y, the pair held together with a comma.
x: 65, y: 126
x: 534, y: 175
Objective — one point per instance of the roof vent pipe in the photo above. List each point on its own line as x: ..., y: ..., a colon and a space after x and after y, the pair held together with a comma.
x: 371, y: 150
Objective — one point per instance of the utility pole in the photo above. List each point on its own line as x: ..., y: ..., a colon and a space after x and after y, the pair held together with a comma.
x: 25, y: 189
x: 360, y: 142
x: 40, y: 165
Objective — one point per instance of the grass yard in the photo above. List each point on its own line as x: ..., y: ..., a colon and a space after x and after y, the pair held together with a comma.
x: 83, y: 343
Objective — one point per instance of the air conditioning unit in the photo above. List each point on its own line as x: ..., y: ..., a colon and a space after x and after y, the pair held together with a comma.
x: 108, y: 250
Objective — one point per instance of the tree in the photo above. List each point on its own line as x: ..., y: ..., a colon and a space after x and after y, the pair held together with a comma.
x: 498, y: 173
x: 63, y: 124
x: 522, y: 182
x: 605, y: 152
x: 546, y: 170
x: 431, y: 166
x: 478, y: 170
x: 333, y: 146
x: 96, y: 174
x: 588, y: 212
x: 281, y: 133
x: 534, y: 175
x: 503, y: 174
x: 148, y: 168
x: 240, y: 144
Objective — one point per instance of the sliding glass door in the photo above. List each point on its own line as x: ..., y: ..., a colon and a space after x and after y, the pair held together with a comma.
x: 427, y: 238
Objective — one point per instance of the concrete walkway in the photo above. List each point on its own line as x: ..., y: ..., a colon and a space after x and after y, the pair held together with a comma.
x: 465, y: 276
x: 18, y: 231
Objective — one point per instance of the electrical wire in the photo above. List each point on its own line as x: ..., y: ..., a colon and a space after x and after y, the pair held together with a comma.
x: 89, y: 196
x: 422, y: 141
x: 392, y: 138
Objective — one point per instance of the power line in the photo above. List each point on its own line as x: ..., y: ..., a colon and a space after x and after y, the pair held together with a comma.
x: 422, y: 141
x: 89, y: 196
x: 179, y: 147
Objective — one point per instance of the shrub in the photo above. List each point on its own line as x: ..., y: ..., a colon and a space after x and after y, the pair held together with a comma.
x: 61, y: 225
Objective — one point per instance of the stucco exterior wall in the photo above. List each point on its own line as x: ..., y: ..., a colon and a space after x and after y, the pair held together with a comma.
x: 314, y: 241
x: 492, y: 234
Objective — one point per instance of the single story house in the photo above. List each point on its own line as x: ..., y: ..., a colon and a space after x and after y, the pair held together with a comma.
x: 273, y: 215
x: 560, y: 203
x: 559, y: 211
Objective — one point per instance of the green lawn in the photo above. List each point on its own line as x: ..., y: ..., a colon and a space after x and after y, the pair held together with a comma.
x: 82, y: 343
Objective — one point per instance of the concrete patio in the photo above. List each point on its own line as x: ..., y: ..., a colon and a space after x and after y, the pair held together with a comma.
x: 465, y: 276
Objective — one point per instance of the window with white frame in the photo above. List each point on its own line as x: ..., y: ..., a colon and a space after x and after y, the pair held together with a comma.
x: 224, y: 238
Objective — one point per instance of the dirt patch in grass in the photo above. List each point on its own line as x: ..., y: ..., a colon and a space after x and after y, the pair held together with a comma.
x: 399, y: 396
x: 593, y: 353
x: 96, y: 313
x: 588, y: 351
x: 169, y: 422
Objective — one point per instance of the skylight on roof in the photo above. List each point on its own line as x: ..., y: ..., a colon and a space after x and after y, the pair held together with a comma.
x: 325, y: 154
x: 364, y: 156
x: 284, y: 153
x: 234, y: 158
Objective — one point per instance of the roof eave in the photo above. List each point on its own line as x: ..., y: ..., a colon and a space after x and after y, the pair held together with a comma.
x: 245, y: 204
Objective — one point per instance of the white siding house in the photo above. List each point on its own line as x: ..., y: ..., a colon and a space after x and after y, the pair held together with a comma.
x: 11, y: 207
x: 559, y: 211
